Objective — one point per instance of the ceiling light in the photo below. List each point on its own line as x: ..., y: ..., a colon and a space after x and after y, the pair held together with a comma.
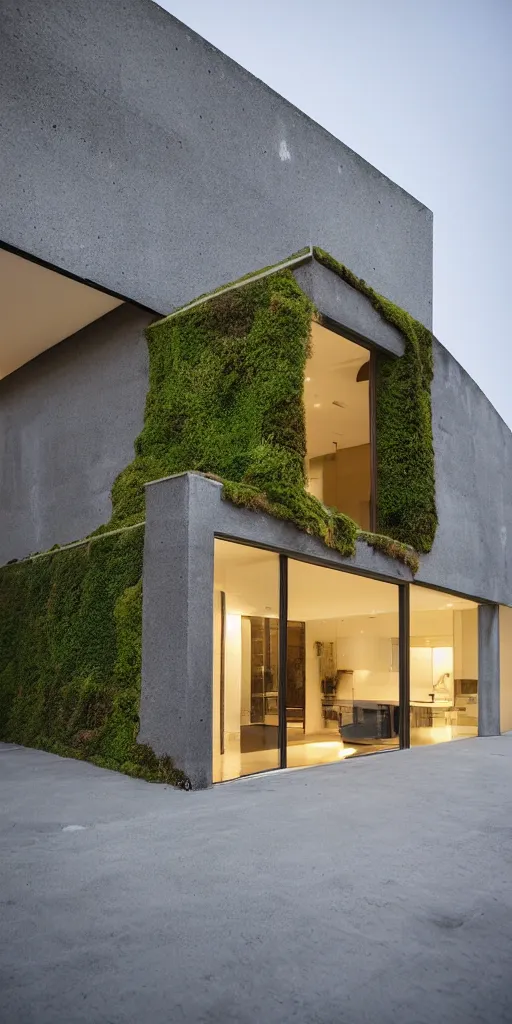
x: 449, y: 604
x: 308, y: 380
x: 316, y: 405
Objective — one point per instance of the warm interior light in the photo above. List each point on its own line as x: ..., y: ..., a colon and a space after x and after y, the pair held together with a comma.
x: 316, y: 405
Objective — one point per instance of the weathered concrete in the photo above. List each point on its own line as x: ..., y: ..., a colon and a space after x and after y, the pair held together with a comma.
x: 376, y: 890
x: 177, y: 667
x: 488, y: 670
x: 348, y: 308
x: 184, y: 513
x: 68, y: 421
x: 153, y: 165
x: 472, y: 552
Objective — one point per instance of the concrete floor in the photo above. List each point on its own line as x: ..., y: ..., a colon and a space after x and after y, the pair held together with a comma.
x: 371, y: 891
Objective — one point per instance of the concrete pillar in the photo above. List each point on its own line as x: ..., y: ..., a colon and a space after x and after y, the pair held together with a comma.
x: 177, y: 623
x: 488, y: 670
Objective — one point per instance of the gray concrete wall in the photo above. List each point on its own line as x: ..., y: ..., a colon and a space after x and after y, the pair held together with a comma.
x: 488, y: 670
x: 184, y: 513
x: 472, y: 551
x: 177, y: 648
x: 68, y: 421
x: 136, y: 155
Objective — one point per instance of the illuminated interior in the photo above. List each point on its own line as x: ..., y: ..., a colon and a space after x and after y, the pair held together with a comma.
x: 336, y: 397
x: 342, y: 673
x: 342, y: 686
x: 444, y: 667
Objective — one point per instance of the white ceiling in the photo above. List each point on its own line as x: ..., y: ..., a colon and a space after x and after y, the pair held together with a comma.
x: 39, y: 308
x: 331, y: 374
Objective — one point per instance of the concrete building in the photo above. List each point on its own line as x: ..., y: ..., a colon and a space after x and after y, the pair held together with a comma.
x: 285, y: 619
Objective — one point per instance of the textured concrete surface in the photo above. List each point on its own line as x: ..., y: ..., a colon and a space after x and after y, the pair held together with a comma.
x: 184, y: 513
x: 489, y: 670
x: 177, y: 627
x: 347, y: 307
x: 153, y: 165
x: 472, y: 552
x: 68, y: 421
x: 377, y: 890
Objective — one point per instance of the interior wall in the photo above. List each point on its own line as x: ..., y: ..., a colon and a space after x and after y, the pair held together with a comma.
x: 346, y: 482
x: 505, y: 668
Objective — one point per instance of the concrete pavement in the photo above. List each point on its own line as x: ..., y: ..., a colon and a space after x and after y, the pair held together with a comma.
x: 374, y: 891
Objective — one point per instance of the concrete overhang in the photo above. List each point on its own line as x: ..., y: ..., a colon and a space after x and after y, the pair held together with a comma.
x: 40, y: 307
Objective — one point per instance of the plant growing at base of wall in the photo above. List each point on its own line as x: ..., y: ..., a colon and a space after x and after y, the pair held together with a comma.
x: 70, y: 652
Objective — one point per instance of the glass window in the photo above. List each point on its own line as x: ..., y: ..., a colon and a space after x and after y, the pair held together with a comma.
x: 443, y: 667
x: 342, y: 691
x: 336, y: 398
x: 245, y: 660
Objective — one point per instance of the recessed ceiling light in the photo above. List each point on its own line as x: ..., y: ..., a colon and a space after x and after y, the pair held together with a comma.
x: 308, y: 380
x: 449, y: 604
x: 316, y: 405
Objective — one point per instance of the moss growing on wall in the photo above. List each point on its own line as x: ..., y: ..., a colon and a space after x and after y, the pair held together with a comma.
x: 406, y: 504
x: 226, y: 398
x: 70, y: 650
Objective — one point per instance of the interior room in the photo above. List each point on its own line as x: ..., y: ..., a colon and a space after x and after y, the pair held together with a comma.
x: 337, y: 403
x: 342, y: 685
x: 443, y: 666
x: 342, y: 663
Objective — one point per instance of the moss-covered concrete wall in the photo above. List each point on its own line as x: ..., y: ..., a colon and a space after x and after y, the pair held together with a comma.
x: 225, y: 398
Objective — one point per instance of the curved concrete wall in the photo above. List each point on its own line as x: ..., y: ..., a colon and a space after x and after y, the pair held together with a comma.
x: 472, y: 551
x: 137, y: 156
x: 68, y: 421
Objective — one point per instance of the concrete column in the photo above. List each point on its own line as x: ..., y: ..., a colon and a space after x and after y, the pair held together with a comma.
x: 488, y: 670
x: 177, y: 637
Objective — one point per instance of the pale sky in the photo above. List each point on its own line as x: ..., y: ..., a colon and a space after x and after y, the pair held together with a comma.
x: 423, y: 90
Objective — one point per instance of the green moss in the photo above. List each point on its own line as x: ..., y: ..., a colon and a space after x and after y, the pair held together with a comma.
x: 70, y: 651
x: 406, y: 504
x: 392, y: 548
x: 226, y: 398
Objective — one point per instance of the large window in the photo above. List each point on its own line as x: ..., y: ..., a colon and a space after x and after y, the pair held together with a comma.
x: 336, y: 398
x: 340, y: 691
x: 311, y: 665
x: 342, y: 665
x: 443, y: 666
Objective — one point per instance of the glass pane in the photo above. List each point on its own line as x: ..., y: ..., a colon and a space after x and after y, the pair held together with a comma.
x: 342, y: 680
x: 336, y: 400
x: 245, y: 661
x: 444, y: 667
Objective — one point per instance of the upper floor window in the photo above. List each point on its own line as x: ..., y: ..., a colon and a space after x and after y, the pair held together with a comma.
x: 337, y: 402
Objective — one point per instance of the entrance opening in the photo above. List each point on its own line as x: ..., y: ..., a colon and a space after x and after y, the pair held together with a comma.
x: 337, y: 404
x: 443, y: 667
